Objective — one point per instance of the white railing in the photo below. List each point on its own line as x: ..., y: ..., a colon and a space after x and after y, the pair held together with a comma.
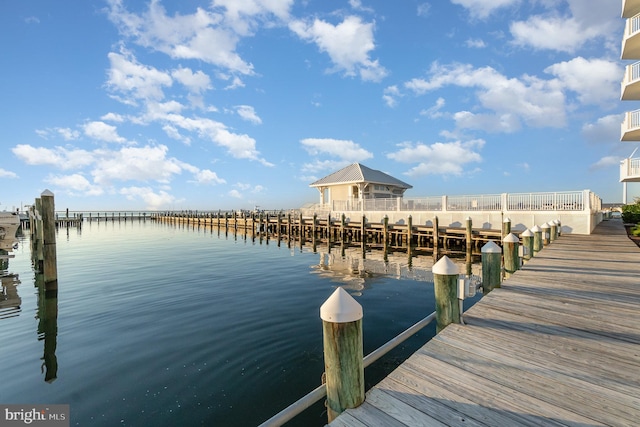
x: 630, y: 168
x: 483, y: 202
x: 633, y: 25
x: 505, y: 202
x: 421, y: 204
x: 567, y: 201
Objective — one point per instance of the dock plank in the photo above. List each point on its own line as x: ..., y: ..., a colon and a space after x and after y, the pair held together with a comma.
x: 558, y: 344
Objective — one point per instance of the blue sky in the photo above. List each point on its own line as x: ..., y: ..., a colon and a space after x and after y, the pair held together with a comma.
x: 228, y: 104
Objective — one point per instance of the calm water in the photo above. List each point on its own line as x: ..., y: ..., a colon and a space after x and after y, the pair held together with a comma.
x: 162, y: 325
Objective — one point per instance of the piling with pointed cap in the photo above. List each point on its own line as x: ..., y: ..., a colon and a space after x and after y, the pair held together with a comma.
x: 445, y: 286
x: 559, y: 224
x: 553, y: 230
x: 510, y: 253
x: 506, y: 227
x: 537, y: 239
x: 545, y: 234
x: 491, y: 273
x: 343, y: 352
x: 527, y: 244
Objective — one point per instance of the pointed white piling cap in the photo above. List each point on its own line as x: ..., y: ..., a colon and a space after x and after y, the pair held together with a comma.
x: 545, y: 225
x: 536, y: 229
x: 527, y: 233
x: 491, y: 248
x: 340, y: 307
x: 556, y: 221
x: 47, y: 193
x: 507, y: 220
x: 511, y: 238
x: 445, y: 267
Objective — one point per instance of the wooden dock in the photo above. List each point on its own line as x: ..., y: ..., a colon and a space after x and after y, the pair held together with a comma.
x: 558, y: 344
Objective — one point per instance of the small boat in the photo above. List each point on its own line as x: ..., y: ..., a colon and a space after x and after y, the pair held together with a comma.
x: 9, y: 223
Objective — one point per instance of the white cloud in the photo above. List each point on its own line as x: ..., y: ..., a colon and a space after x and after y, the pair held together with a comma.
x: 197, y: 82
x: 448, y: 158
x: 481, y: 9
x: 135, y: 163
x: 606, y: 162
x: 434, y: 111
x: 475, y: 43
x: 606, y: 129
x: 102, y: 132
x: 134, y: 80
x: 153, y: 200
x: 391, y: 95
x: 348, y: 44
x: 75, y: 184
x: 60, y: 157
x: 594, y: 80
x: 7, y: 174
x: 248, y: 113
x: 200, y: 35
x: 507, y: 101
x: 235, y: 194
x: 583, y: 22
x: 423, y: 9
x: 206, y: 176
x: 348, y: 151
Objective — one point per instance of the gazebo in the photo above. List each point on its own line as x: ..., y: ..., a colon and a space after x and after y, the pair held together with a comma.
x: 356, y: 183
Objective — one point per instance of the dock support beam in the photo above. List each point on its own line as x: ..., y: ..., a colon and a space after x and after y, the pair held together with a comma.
x: 491, y: 274
x: 445, y: 286
x: 343, y: 352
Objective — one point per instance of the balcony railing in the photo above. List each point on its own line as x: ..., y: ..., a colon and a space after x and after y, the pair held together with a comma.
x: 630, y: 129
x: 630, y: 170
x: 630, y: 46
x: 630, y: 86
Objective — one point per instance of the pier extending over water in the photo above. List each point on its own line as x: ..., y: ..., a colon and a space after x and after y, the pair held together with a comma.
x: 558, y: 344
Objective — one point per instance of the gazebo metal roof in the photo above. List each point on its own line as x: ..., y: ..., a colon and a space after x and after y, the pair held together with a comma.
x: 357, y: 174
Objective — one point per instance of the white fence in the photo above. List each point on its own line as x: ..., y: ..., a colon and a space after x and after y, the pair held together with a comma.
x: 556, y: 201
x: 579, y: 211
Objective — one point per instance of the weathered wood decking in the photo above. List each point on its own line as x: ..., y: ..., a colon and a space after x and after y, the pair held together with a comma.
x: 559, y: 344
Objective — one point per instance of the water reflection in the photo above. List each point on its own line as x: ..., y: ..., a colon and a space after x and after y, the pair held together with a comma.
x: 10, y: 301
x: 356, y: 273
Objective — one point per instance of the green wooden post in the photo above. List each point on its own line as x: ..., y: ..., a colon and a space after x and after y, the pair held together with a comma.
x: 506, y: 227
x: 436, y: 238
x: 553, y: 231
x: 527, y: 244
x: 445, y: 286
x: 385, y: 234
x: 342, y: 227
x: 409, y: 233
x: 546, y: 238
x: 537, y: 239
x: 363, y: 235
x: 469, y: 234
x: 50, y: 263
x: 559, y: 224
x: 491, y: 272
x: 511, y: 258
x: 343, y: 352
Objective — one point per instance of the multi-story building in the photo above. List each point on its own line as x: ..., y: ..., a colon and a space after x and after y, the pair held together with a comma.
x: 630, y: 167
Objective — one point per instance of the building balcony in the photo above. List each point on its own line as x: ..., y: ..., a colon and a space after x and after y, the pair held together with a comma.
x: 630, y: 170
x: 631, y: 39
x: 630, y: 88
x: 630, y: 129
x: 630, y: 8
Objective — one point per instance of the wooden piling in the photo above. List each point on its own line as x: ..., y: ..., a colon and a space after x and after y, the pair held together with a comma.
x: 49, y: 242
x: 537, y: 239
x: 506, y: 227
x: 527, y: 244
x: 436, y: 239
x: 546, y: 238
x: 510, y: 253
x: 343, y: 352
x: 491, y: 272
x: 445, y: 286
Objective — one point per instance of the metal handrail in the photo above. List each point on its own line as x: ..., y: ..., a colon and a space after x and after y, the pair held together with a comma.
x: 318, y: 393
